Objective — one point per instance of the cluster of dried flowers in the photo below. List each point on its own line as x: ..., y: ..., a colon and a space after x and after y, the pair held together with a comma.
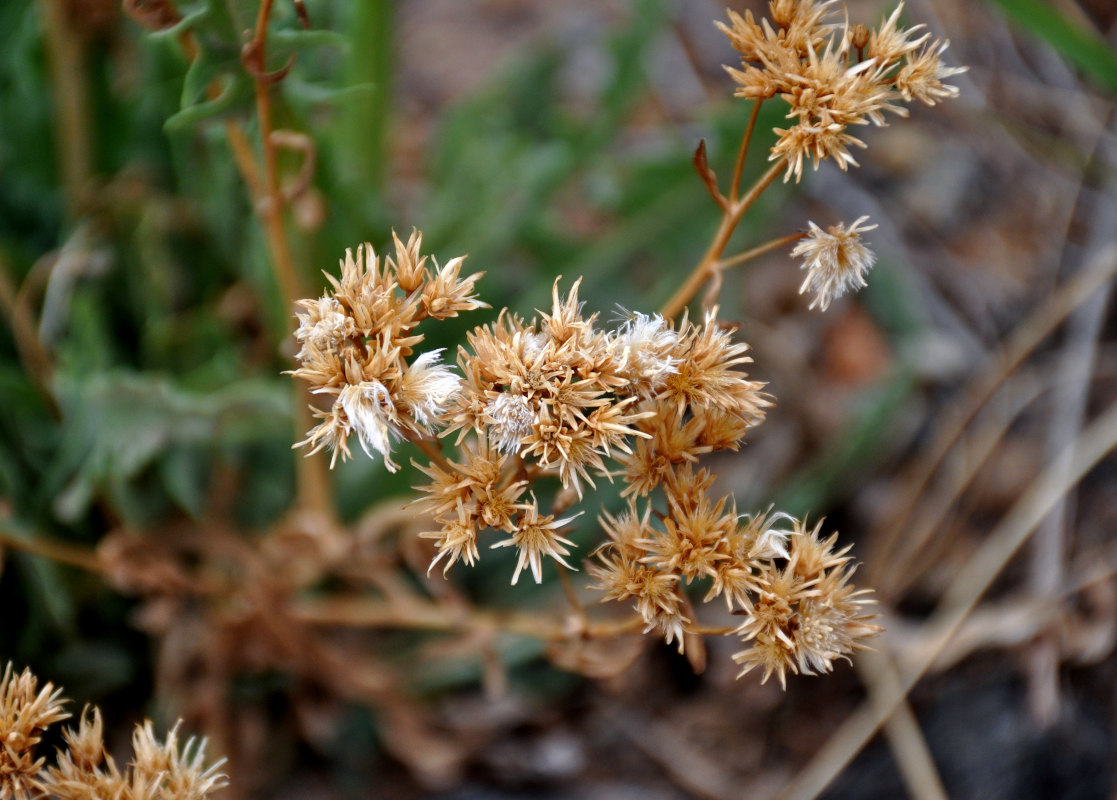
x: 83, y: 769
x: 356, y: 342
x: 562, y: 398
x: 833, y: 76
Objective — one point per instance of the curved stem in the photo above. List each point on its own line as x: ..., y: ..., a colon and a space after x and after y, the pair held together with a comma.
x: 568, y: 590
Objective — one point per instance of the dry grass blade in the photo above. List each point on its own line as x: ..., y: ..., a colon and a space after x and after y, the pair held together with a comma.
x: 909, y: 748
x: 962, y: 596
x: 1023, y: 341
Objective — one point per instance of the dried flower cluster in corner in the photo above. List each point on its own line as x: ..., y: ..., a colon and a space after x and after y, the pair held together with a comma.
x: 565, y: 399
x: 83, y: 769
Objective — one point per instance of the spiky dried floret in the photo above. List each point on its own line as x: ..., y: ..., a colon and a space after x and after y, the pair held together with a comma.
x: 921, y: 77
x: 706, y: 376
x: 163, y: 771
x: 409, y: 264
x: 26, y: 711
x: 510, y: 418
x: 620, y: 574
x: 446, y: 293
x: 357, y: 344
x: 456, y: 540
x: 565, y: 321
x: 568, y: 448
x: 721, y: 429
x: 83, y: 770
x: 669, y: 443
x: 426, y: 389
x: 535, y: 536
x: 643, y: 350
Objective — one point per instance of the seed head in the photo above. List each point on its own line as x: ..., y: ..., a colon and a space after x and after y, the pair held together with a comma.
x: 510, y: 419
x: 372, y: 415
x: 835, y: 260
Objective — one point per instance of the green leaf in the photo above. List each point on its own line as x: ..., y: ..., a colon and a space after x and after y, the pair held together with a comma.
x: 118, y: 424
x: 237, y: 93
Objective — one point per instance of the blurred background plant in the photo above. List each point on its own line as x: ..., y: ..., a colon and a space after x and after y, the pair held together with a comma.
x: 155, y: 522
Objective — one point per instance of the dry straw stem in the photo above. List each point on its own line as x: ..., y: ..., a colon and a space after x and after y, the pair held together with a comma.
x: 422, y: 615
x: 1027, y: 336
x: 913, y: 756
x: 960, y: 599
x: 929, y: 529
x: 311, y: 480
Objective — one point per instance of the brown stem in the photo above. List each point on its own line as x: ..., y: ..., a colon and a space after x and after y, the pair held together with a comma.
x: 32, y: 355
x: 431, y: 450
x: 709, y: 630
x: 311, y: 479
x: 739, y: 169
x: 759, y: 250
x: 63, y: 553
x: 272, y: 200
x: 568, y: 590
x: 363, y: 613
x: 710, y: 298
x: 71, y: 100
x: 729, y: 222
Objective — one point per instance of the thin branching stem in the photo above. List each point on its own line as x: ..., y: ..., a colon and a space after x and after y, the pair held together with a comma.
x: 312, y: 485
x: 32, y: 355
x: 759, y: 250
x: 362, y: 613
x: 568, y: 590
x: 729, y: 222
x: 71, y: 98
x: 431, y: 450
x: 739, y: 168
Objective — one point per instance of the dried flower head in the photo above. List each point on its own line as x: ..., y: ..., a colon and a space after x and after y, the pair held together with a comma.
x: 357, y: 346
x: 562, y: 398
x: 83, y: 769
x: 806, y: 614
x: 835, y: 260
x: 832, y: 75
x: 25, y: 712
x: 173, y: 773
